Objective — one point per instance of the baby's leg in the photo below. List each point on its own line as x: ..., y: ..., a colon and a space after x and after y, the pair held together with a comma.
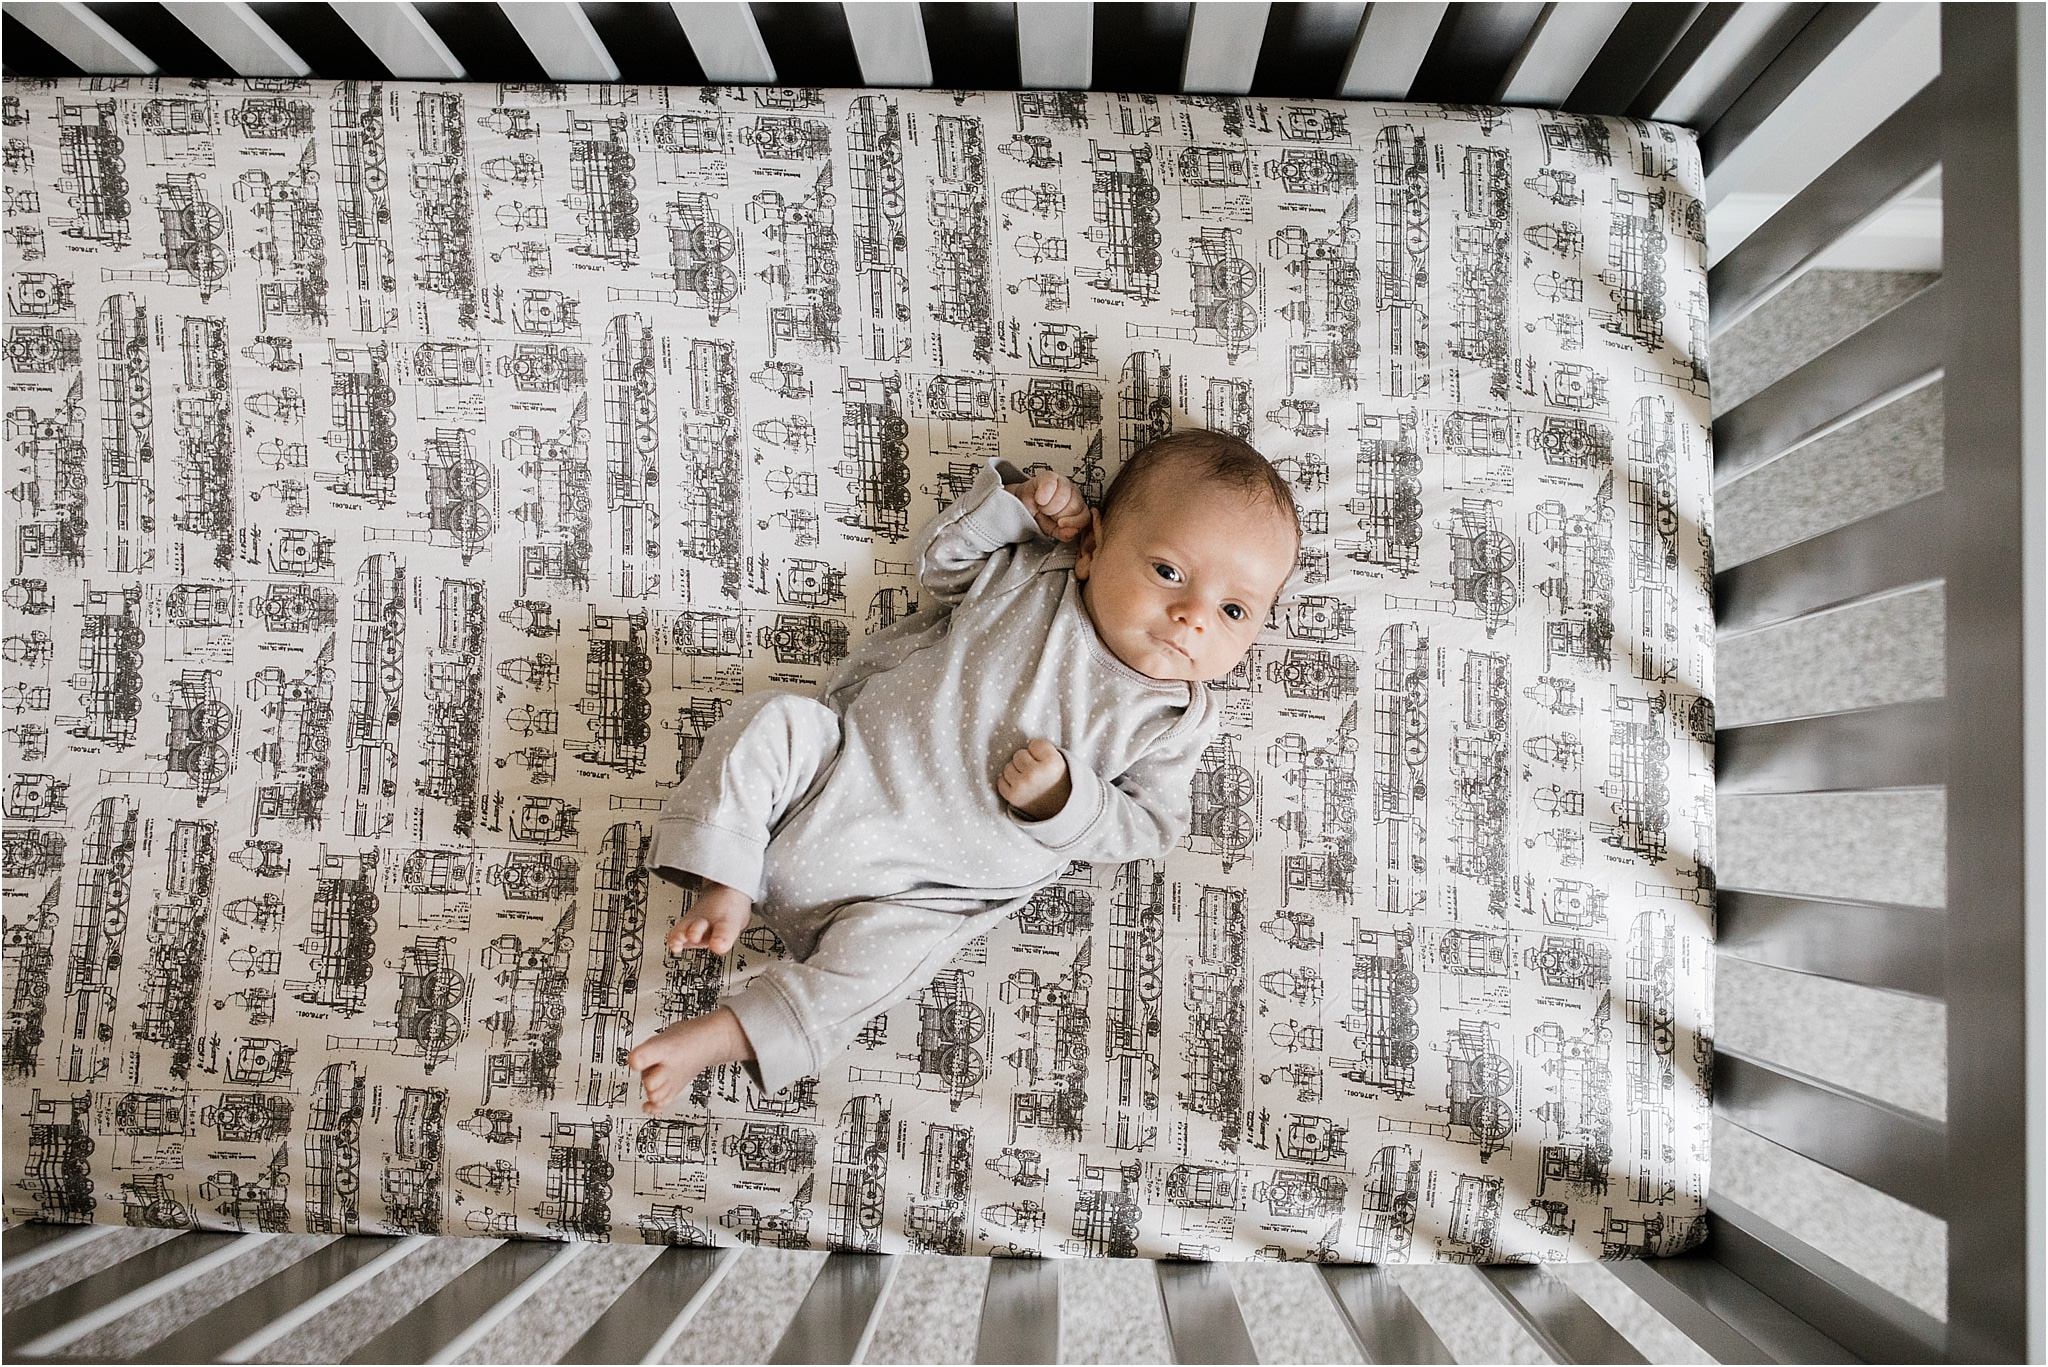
x: 669, y: 1061
x: 767, y: 753
x: 799, y: 1016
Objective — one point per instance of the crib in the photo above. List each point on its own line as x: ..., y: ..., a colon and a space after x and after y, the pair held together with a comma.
x: 1743, y: 75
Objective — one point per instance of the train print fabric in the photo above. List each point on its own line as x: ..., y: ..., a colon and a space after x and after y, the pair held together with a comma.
x: 401, y: 480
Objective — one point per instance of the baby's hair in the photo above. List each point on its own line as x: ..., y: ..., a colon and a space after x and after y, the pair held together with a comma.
x: 1199, y: 455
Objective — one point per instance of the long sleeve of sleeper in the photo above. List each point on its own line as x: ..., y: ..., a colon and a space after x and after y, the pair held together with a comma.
x: 1141, y: 814
x: 958, y: 545
x: 967, y: 542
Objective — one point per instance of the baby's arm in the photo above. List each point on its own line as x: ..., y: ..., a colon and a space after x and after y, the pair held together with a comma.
x: 954, y: 547
x: 953, y: 553
x: 1144, y: 813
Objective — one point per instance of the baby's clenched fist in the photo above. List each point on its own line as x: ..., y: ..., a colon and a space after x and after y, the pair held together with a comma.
x: 1035, y: 780
x: 1055, y: 502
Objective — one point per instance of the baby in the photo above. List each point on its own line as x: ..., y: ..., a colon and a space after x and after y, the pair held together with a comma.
x: 1047, y: 703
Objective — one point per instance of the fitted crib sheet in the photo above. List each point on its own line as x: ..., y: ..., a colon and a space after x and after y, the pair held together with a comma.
x: 402, y: 478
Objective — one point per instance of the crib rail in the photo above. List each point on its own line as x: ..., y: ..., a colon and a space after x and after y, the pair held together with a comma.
x: 1993, y: 443
x: 1974, y: 743
x: 1726, y: 69
x: 1741, y: 74
x: 1195, y: 1305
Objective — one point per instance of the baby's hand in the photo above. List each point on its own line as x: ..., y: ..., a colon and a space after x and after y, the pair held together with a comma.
x: 1056, y: 502
x: 1035, y: 780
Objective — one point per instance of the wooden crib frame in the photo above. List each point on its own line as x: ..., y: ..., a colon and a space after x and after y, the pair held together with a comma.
x: 1754, y: 1292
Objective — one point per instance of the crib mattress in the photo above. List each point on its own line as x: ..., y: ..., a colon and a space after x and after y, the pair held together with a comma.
x: 402, y: 479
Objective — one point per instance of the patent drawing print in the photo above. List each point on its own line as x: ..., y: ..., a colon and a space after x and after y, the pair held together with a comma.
x: 402, y: 480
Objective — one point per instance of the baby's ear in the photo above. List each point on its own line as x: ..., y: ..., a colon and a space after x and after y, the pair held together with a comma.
x: 1088, y: 544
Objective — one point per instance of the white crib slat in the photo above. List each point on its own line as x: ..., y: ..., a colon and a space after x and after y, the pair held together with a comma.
x: 1553, y: 1314
x: 1727, y: 57
x: 32, y: 1245
x: 239, y: 37
x: 1877, y: 944
x: 1202, y: 1316
x: 563, y: 41
x: 1391, y: 44
x: 1694, y: 1292
x: 726, y: 40
x: 1223, y: 47
x: 1879, y: 363
x: 213, y: 1251
x: 1899, y: 548
x: 1892, y: 745
x: 317, y: 1304
x: 1056, y: 45
x: 506, y: 1304
x: 1566, y: 40
x: 276, y: 1295
x: 1020, y: 1312
x: 837, y: 1317
x: 1827, y: 1300
x: 402, y: 40
x: 1382, y: 1318
x: 83, y: 38
x: 651, y: 1314
x: 888, y: 40
x: 127, y: 1261
x: 1870, y: 1141
x: 1808, y: 131
x: 448, y: 1316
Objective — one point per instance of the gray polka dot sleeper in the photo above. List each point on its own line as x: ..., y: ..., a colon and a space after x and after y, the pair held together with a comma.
x: 865, y: 822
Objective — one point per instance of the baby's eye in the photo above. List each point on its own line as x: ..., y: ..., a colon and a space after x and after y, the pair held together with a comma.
x: 1166, y: 571
x: 1237, y: 614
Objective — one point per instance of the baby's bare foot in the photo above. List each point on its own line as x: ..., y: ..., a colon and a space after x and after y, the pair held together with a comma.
x: 671, y: 1060
x: 714, y: 921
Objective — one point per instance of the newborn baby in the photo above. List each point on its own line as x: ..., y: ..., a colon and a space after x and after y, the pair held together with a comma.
x: 1047, y: 703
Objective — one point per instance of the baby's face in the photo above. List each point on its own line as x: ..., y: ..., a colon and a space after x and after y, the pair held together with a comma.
x: 1180, y: 587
